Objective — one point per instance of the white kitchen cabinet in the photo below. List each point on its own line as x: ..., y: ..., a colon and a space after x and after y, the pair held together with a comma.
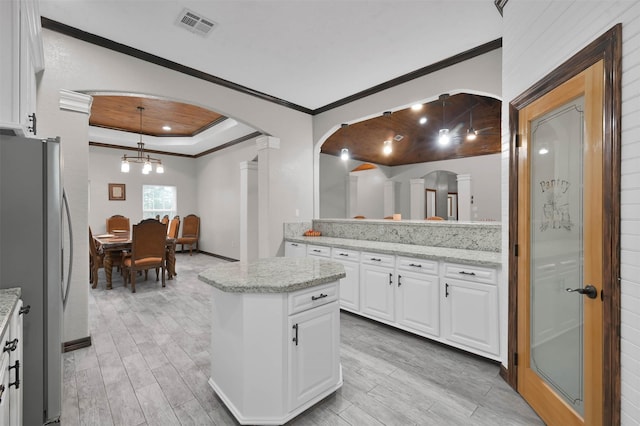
x: 293, y: 249
x: 349, y: 285
x: 318, y: 251
x: 275, y: 354
x: 417, y: 290
x: 314, y: 352
x: 470, y: 309
x: 17, y: 373
x: 377, y: 285
x: 11, y: 372
x: 22, y: 59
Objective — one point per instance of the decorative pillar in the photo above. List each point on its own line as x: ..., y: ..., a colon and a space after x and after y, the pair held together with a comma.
x: 268, y: 166
x: 248, y: 211
x: 65, y: 113
x: 352, y: 195
x: 391, y: 192
x: 417, y: 199
x: 464, y: 198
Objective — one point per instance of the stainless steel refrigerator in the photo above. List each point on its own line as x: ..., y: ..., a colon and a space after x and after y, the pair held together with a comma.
x: 33, y: 225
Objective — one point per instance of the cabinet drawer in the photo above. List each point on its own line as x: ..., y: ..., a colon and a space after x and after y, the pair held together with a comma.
x: 313, y: 250
x: 471, y: 273
x: 377, y: 259
x: 417, y: 265
x: 307, y: 298
x: 344, y: 254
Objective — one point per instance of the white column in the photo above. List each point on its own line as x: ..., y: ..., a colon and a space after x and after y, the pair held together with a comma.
x: 464, y: 198
x: 268, y: 166
x: 248, y: 211
x: 67, y: 116
x: 352, y: 195
x: 390, y: 198
x: 417, y: 199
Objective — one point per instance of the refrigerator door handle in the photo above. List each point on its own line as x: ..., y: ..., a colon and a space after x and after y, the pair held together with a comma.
x: 65, y: 290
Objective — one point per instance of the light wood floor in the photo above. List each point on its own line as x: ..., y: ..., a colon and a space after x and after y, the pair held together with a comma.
x: 149, y: 365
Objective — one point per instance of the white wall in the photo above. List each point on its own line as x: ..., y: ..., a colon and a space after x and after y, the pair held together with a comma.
x: 485, y: 184
x: 75, y: 65
x: 370, y: 198
x: 480, y: 75
x: 218, y: 195
x: 104, y: 168
x: 537, y: 37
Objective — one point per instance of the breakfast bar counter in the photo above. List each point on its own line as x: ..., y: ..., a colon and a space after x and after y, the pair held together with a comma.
x: 275, y: 336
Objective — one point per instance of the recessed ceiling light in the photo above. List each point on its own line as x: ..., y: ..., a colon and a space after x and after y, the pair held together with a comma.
x: 416, y: 107
x: 423, y: 120
x: 387, y: 148
x: 166, y: 128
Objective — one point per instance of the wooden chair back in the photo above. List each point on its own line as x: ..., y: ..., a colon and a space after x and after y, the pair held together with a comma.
x: 174, y: 227
x: 118, y: 222
x: 96, y: 260
x: 434, y: 218
x: 148, y: 244
x: 165, y: 219
x: 190, y: 232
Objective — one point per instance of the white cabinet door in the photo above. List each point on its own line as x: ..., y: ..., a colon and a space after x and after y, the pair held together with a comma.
x: 417, y: 302
x: 292, y: 249
x: 15, y: 357
x: 5, y: 400
x: 349, y: 285
x: 314, y: 352
x: 376, y: 291
x: 471, y: 314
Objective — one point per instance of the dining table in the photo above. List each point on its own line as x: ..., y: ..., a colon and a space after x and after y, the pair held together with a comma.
x: 113, y: 244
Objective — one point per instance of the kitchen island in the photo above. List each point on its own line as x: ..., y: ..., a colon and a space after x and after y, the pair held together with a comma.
x: 275, y: 336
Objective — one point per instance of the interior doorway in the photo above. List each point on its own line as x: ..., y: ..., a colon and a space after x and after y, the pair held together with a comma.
x: 564, y: 315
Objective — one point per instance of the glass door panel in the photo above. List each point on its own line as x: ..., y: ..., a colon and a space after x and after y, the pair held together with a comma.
x: 556, y: 242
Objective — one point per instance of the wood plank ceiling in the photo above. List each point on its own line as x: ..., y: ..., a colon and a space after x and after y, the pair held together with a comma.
x: 412, y: 142
x: 121, y: 113
x: 419, y: 142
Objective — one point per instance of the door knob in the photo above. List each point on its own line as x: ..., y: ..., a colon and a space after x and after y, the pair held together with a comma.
x: 590, y: 291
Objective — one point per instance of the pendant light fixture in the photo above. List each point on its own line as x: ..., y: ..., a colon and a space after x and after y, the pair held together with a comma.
x: 443, y: 135
x: 344, y: 152
x: 471, y: 132
x: 141, y: 158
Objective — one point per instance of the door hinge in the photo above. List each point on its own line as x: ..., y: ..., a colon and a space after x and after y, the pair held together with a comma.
x: 515, y: 358
x: 515, y: 250
x: 518, y: 141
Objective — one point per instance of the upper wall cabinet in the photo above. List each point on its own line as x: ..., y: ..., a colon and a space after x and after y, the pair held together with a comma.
x: 21, y: 58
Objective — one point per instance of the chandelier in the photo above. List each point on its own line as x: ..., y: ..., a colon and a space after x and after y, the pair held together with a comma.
x: 141, y: 158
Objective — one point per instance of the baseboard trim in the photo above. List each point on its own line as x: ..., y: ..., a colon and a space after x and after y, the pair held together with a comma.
x: 72, y: 345
x: 219, y: 256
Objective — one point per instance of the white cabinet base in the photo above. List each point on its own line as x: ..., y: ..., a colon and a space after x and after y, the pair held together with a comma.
x: 251, y: 354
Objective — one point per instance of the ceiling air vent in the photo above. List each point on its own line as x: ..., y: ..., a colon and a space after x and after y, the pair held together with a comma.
x: 195, y: 23
x: 398, y: 138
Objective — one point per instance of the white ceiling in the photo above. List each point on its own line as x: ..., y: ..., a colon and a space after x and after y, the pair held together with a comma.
x: 307, y: 52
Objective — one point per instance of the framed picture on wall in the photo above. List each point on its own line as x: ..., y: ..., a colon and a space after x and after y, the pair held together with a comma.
x: 117, y: 191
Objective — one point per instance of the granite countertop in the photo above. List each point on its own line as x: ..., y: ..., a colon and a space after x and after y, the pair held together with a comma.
x: 469, y: 257
x: 272, y: 275
x: 8, y: 299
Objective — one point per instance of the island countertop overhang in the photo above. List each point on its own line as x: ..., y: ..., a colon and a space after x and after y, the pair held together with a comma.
x: 272, y: 275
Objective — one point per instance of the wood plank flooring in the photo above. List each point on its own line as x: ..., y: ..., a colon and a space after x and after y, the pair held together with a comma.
x: 149, y: 365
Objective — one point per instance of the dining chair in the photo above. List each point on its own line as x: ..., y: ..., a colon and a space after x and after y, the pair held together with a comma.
x: 190, y: 232
x: 174, y: 227
x: 359, y: 217
x: 165, y: 219
x: 147, y: 251
x: 96, y: 260
x: 434, y: 218
x: 118, y: 222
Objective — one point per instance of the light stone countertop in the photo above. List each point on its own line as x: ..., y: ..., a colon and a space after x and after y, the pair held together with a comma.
x: 8, y: 299
x: 468, y: 257
x: 272, y: 275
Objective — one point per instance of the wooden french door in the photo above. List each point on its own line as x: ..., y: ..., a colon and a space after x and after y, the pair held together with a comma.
x: 560, y: 247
